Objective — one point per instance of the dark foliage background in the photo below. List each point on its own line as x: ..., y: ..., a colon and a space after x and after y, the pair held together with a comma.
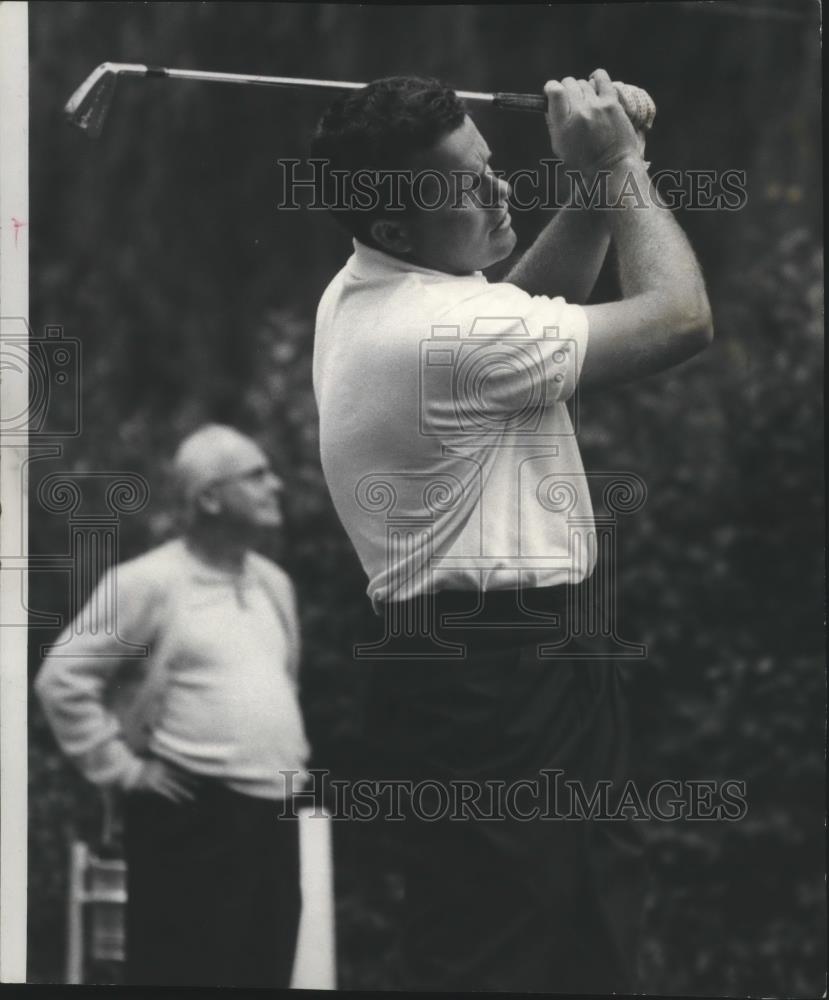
x: 160, y: 249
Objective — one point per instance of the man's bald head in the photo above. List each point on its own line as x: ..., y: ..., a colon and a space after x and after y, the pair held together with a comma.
x: 212, y: 454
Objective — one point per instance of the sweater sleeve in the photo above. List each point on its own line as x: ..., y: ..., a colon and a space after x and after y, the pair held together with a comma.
x: 294, y: 637
x: 281, y: 592
x: 73, y: 680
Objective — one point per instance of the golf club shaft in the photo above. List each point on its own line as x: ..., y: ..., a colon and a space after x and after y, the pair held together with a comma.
x: 522, y: 102
x: 88, y: 106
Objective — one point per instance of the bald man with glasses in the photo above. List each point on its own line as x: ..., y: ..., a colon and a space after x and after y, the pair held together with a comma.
x: 204, y: 735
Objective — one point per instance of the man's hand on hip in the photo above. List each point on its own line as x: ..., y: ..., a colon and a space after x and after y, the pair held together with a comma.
x: 589, y: 128
x: 165, y: 779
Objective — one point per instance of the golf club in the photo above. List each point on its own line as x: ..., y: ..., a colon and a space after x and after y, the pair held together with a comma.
x: 89, y: 105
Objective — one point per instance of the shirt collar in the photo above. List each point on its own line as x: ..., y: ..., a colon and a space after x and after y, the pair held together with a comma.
x: 367, y: 262
x: 208, y: 572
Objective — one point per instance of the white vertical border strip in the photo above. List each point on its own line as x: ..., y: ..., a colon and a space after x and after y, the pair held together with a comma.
x: 315, y: 962
x: 14, y: 395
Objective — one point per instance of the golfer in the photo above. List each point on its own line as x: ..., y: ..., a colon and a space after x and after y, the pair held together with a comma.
x: 447, y: 448
x: 198, y: 731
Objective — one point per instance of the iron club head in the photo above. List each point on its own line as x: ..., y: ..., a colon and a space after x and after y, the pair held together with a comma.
x: 88, y: 107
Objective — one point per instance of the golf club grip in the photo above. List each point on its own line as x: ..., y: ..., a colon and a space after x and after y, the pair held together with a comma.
x: 637, y: 103
x: 519, y: 102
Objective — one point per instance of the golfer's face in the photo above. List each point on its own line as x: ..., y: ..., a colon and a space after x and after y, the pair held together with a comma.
x: 470, y: 228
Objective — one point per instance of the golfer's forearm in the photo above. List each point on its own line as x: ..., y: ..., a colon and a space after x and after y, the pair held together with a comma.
x: 567, y: 256
x: 656, y: 263
x: 663, y: 317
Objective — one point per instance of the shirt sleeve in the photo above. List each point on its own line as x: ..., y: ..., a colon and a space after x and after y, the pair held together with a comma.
x: 294, y: 635
x: 73, y: 681
x: 504, y: 354
x: 280, y: 590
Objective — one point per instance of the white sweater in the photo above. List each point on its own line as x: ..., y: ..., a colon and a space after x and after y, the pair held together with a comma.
x: 193, y: 663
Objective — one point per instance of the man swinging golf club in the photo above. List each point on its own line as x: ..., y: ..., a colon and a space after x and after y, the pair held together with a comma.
x: 444, y: 437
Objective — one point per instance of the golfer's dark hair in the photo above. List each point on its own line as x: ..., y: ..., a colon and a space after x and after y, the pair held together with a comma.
x: 373, y: 131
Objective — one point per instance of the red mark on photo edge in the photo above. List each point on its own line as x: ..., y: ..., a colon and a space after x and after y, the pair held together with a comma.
x: 18, y: 225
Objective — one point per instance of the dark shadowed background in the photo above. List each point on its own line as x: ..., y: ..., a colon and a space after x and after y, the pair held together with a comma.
x: 160, y: 248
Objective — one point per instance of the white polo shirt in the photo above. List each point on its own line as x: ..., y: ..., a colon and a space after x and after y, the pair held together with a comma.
x: 450, y: 456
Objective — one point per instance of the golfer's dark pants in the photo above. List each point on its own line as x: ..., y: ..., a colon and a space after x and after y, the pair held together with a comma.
x: 213, y: 890
x: 533, y: 904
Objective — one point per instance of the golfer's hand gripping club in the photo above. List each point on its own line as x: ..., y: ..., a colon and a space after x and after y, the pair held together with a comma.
x: 588, y: 124
x: 637, y: 103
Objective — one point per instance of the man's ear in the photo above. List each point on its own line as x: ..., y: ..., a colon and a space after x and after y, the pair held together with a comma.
x: 209, y: 503
x: 391, y: 235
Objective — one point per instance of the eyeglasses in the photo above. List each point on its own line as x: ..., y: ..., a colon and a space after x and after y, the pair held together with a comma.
x: 257, y: 474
